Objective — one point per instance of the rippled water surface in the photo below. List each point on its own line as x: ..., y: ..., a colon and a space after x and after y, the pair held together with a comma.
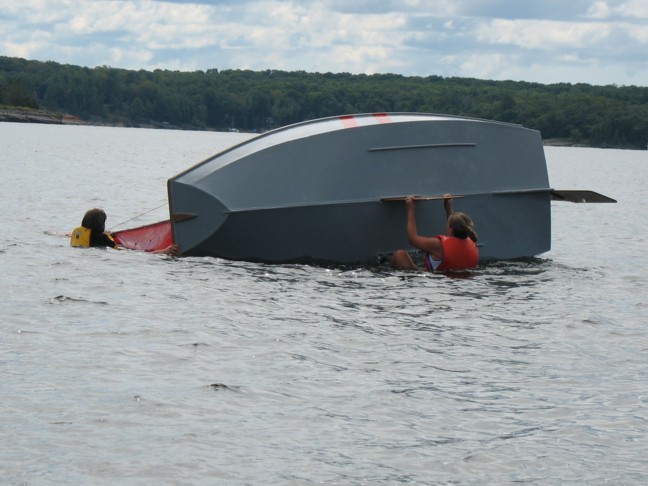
x: 129, y: 368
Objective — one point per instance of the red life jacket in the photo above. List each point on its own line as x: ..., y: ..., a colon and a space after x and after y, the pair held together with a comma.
x: 458, y: 253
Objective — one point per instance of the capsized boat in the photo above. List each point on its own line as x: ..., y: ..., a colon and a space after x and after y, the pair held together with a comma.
x: 326, y: 191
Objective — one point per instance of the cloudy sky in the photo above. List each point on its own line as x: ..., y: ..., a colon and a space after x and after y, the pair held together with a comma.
x: 547, y: 41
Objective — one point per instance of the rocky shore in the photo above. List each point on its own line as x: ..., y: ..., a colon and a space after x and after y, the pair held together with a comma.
x: 561, y: 142
x: 38, y: 116
x: 27, y: 115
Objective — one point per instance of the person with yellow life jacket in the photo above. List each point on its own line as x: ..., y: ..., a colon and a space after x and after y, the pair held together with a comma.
x: 92, y: 233
x: 456, y: 250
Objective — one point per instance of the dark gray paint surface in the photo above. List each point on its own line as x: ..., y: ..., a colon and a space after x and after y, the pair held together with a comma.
x: 312, y: 191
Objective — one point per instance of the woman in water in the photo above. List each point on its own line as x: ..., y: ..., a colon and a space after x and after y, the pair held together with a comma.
x: 456, y: 250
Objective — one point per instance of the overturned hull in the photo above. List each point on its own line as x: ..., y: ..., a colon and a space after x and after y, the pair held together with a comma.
x: 313, y: 192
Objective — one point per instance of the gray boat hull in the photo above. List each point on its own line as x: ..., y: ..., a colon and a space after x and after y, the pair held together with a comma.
x: 312, y: 192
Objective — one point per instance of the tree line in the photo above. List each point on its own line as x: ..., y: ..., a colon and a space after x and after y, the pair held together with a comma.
x: 599, y: 116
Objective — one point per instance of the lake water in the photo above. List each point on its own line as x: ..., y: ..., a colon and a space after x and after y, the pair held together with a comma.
x: 136, y: 369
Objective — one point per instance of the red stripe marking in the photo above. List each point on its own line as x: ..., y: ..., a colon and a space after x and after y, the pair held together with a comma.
x: 349, y: 121
x: 382, y: 117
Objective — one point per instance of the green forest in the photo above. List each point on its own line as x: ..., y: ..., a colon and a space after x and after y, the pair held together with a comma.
x: 597, y: 116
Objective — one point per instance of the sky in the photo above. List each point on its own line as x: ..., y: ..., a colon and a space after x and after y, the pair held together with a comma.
x: 547, y: 41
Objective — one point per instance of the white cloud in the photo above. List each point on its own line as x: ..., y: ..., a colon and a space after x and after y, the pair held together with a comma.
x: 633, y: 9
x: 596, y: 41
x: 25, y: 50
x: 484, y: 66
x: 637, y: 9
x: 599, y: 10
x: 544, y: 35
x: 119, y: 56
x: 639, y: 34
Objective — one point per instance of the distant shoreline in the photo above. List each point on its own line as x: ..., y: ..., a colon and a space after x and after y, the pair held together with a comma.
x: 26, y: 115
x: 20, y: 115
x: 560, y: 142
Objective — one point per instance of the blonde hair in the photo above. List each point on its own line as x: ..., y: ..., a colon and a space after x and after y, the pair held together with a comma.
x: 462, y: 226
